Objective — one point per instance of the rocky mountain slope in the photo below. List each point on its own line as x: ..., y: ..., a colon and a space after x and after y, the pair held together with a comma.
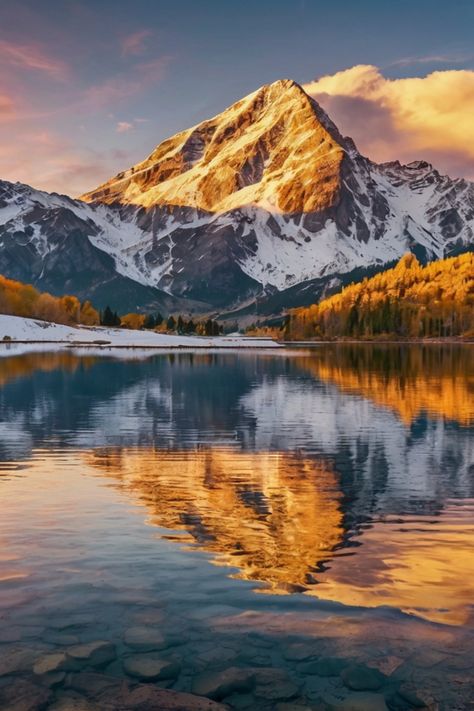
x: 265, y: 198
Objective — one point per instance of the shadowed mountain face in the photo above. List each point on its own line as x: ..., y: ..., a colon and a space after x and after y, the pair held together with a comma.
x: 266, y: 200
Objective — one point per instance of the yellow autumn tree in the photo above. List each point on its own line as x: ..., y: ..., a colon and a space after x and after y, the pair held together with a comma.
x: 408, y: 301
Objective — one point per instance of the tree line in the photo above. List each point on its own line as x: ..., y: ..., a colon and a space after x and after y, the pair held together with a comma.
x: 157, y: 322
x: 18, y: 299
x: 408, y: 301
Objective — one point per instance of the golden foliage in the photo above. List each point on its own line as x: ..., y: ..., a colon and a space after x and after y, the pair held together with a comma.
x: 409, y: 301
x: 19, y: 299
x: 132, y: 320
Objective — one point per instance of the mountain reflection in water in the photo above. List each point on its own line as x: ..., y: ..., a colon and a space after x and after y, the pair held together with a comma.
x: 345, y: 472
x: 279, y: 518
x: 274, y: 515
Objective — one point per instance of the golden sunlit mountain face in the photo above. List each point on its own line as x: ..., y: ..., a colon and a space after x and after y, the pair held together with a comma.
x: 275, y: 148
x: 408, y: 381
x: 274, y: 515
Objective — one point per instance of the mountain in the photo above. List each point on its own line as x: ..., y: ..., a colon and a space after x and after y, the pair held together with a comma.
x: 265, y: 202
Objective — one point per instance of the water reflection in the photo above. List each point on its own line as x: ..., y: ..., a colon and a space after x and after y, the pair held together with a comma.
x: 438, y: 380
x: 274, y: 515
x: 346, y: 474
x: 280, y: 518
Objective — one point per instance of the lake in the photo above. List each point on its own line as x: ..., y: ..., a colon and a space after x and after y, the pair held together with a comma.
x: 278, y: 530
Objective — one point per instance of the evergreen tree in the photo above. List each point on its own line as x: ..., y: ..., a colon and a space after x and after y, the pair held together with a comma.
x: 107, y: 317
x: 171, y: 324
x: 149, y: 321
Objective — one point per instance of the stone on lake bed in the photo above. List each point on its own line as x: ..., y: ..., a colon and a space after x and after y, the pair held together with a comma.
x: 94, y: 654
x: 17, y: 659
x: 144, y: 638
x: 219, y: 684
x: 359, y: 701
x: 147, y: 667
x: 73, y: 703
x: 361, y: 678
x: 147, y: 697
x: 61, y: 639
x: 410, y: 694
x: 275, y: 684
x: 51, y: 663
x: 299, y: 653
x: 327, y: 666
x: 23, y: 695
x: 92, y: 684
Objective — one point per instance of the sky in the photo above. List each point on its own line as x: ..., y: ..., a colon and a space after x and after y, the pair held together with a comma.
x: 89, y: 87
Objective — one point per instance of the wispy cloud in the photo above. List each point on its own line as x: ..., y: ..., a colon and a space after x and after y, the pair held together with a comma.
x: 127, y: 84
x: 432, y: 59
x: 51, y: 162
x: 135, y: 44
x: 32, y: 57
x: 426, y: 117
x: 123, y: 126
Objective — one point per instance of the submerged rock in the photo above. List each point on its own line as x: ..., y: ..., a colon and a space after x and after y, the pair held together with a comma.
x: 17, y: 659
x: 275, y: 685
x: 299, y: 653
x: 219, y: 684
x: 359, y: 701
x: 144, y: 638
x: 328, y: 666
x: 361, y: 678
x: 73, y: 703
x: 147, y: 667
x: 94, y: 654
x: 50, y: 663
x: 147, y: 697
x: 23, y: 695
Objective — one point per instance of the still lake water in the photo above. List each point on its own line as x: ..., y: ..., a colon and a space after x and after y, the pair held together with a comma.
x: 253, y: 510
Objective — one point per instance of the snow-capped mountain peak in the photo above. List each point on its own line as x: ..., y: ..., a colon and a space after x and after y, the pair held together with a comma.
x: 265, y: 196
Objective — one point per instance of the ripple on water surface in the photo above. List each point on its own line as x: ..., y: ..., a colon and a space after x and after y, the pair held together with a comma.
x: 145, y: 503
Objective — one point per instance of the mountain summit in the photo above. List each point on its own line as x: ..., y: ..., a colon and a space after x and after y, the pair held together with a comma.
x: 275, y: 148
x: 266, y: 201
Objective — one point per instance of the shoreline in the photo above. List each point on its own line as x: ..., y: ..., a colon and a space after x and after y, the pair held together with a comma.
x: 387, y: 341
x: 111, y: 346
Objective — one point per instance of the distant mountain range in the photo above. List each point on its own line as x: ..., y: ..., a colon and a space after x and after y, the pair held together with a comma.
x: 262, y: 207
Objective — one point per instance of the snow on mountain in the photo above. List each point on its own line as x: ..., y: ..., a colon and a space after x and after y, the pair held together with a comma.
x: 262, y: 197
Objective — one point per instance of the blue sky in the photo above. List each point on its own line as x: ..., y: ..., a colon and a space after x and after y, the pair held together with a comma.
x: 89, y: 87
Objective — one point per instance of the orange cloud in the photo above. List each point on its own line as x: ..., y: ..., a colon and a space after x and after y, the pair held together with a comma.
x: 6, y: 106
x: 31, y: 57
x: 135, y: 43
x: 417, y: 117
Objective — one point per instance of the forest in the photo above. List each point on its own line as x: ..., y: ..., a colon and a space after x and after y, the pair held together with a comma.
x: 408, y: 301
x: 18, y: 299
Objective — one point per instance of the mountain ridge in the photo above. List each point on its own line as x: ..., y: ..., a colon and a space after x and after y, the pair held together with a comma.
x: 261, y: 198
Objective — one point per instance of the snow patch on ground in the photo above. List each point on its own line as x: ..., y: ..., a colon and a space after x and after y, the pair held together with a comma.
x: 34, y: 331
